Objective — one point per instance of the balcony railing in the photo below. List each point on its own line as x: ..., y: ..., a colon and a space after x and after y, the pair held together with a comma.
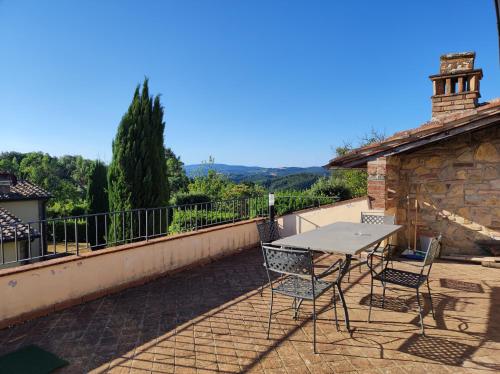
x: 24, y: 242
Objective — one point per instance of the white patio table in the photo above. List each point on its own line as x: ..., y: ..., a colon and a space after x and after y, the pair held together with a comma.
x: 344, y: 238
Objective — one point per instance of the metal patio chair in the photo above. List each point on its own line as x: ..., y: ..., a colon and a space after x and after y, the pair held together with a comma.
x: 373, y: 219
x: 405, y: 278
x: 268, y: 232
x: 298, y: 280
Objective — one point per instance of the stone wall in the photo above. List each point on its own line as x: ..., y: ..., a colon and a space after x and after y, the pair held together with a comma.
x: 457, y: 186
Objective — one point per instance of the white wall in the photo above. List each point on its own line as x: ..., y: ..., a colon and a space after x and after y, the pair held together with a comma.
x: 307, y: 220
x: 25, y: 210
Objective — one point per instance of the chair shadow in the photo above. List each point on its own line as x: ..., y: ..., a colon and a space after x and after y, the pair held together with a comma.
x: 458, y: 285
x: 396, y: 304
x: 437, y: 349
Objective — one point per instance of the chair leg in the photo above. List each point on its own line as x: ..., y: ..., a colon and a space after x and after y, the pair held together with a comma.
x: 344, y: 305
x: 348, y: 274
x: 335, y: 308
x: 383, y: 295
x: 270, y: 314
x: 314, y: 325
x: 430, y: 298
x: 371, y: 299
x: 420, y: 313
x: 294, y: 307
x: 261, y: 290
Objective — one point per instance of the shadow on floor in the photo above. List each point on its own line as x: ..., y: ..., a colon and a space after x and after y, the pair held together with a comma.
x: 454, y: 284
x: 438, y: 349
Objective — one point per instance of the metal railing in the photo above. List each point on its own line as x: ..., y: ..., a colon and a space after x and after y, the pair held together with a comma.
x: 22, y: 243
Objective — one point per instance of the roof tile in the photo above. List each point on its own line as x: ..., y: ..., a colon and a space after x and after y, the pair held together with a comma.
x: 13, y: 228
x: 428, y: 128
x: 25, y: 190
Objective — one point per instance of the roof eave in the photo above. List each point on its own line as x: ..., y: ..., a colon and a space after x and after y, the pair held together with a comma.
x: 351, y: 161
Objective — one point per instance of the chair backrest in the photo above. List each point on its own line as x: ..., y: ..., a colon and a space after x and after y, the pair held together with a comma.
x: 287, y: 261
x: 377, y: 219
x: 432, y: 250
x: 268, y: 231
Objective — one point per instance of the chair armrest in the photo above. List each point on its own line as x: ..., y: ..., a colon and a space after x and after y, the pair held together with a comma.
x: 417, y: 265
x: 330, y: 270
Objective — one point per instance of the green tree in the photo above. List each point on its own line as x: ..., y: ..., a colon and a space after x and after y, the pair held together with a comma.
x: 137, y: 176
x: 97, y: 202
x: 331, y: 187
x: 176, y: 175
x: 347, y: 183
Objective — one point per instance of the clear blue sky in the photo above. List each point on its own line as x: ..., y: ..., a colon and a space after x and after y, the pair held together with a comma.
x: 268, y: 83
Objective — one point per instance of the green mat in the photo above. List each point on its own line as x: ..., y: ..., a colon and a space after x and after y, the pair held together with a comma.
x: 30, y: 360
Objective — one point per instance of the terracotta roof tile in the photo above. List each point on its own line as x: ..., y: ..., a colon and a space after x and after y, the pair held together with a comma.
x: 25, y: 190
x: 434, y: 126
x: 10, y: 224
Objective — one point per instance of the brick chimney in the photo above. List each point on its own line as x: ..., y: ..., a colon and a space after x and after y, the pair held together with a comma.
x: 456, y: 87
x: 6, y: 181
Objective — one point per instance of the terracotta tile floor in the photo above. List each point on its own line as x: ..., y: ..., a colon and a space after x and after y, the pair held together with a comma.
x: 212, y: 319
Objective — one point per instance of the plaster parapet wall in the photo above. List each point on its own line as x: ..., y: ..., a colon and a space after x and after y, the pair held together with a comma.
x: 307, y: 220
x: 38, y: 289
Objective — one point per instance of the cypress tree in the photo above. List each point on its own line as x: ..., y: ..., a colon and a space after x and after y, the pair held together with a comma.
x: 97, y: 202
x: 137, y: 176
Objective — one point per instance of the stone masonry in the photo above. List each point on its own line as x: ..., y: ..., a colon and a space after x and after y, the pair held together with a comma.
x: 457, y: 186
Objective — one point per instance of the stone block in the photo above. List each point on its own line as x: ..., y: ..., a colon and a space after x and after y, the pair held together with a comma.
x: 487, y: 152
x: 461, y: 174
x: 435, y: 188
x: 455, y: 190
x: 421, y: 170
x: 434, y: 162
x: 491, y: 172
x: 465, y: 156
x: 495, y: 184
x: 474, y: 175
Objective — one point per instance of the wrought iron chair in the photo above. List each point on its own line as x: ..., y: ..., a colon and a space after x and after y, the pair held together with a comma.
x: 405, y: 278
x: 268, y: 232
x: 298, y: 280
x: 373, y: 219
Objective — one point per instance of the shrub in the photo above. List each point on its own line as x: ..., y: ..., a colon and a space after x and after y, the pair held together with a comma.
x: 331, y: 187
x: 190, y: 198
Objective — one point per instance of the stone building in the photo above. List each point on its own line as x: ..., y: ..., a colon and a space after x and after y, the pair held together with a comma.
x: 444, y: 176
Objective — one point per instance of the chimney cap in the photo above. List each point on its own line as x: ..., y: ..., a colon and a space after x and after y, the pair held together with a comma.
x: 457, y: 62
x: 453, y: 56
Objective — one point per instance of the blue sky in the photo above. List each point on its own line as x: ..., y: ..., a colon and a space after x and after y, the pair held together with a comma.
x: 268, y: 83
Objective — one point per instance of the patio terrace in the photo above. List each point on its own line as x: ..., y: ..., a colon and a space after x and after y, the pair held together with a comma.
x: 212, y: 319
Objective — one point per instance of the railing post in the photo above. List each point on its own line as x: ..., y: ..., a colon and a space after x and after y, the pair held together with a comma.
x: 1, y: 245
x: 65, y: 237
x: 196, y: 217
x: 271, y: 206
x: 76, y: 237
x: 146, y: 224
x: 234, y: 208
x: 167, y: 219
x: 29, y: 241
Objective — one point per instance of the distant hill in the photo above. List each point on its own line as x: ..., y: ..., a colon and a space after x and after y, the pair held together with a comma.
x: 275, y: 179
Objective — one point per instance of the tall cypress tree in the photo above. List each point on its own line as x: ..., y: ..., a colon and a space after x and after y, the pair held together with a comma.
x: 97, y: 200
x: 137, y: 173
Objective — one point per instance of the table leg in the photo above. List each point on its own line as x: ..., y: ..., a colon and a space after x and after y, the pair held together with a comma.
x: 345, y: 268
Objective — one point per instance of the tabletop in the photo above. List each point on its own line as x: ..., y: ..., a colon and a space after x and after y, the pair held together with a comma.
x: 340, y: 237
